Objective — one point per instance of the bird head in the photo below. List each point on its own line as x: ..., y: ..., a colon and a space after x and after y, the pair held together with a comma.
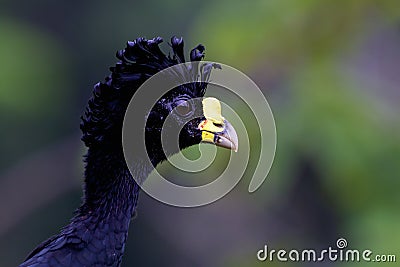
x: 182, y: 114
x: 181, y: 119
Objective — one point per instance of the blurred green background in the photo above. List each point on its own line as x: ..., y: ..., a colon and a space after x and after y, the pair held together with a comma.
x: 331, y: 73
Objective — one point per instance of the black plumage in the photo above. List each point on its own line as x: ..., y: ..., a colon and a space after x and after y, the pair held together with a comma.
x: 97, y: 233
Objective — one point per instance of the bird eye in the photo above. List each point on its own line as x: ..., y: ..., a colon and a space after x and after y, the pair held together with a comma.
x: 184, y: 108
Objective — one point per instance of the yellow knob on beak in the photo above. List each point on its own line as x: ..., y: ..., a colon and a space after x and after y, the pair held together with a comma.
x: 215, y: 128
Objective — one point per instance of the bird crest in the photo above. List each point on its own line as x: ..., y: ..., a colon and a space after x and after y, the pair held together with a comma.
x: 138, y: 61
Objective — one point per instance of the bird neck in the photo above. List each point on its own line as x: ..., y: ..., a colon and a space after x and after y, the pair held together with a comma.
x: 109, y: 186
x: 110, y: 201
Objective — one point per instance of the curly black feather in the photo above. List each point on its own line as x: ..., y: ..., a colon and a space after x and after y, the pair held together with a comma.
x: 140, y: 60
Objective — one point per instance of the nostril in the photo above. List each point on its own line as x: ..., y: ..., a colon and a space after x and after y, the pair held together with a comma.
x: 217, y: 124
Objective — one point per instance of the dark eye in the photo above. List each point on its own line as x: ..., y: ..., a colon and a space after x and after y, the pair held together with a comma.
x: 184, y: 108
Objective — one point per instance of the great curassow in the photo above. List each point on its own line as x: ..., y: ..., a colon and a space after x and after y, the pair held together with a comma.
x: 97, y: 233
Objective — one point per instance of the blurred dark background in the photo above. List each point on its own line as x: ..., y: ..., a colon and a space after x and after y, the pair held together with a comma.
x: 331, y: 73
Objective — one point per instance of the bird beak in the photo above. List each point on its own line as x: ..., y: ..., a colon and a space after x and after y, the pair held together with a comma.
x: 216, y: 129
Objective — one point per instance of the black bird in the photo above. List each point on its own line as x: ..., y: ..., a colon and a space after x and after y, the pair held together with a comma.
x: 97, y: 233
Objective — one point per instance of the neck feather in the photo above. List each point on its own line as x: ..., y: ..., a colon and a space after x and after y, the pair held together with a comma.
x: 111, y: 196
